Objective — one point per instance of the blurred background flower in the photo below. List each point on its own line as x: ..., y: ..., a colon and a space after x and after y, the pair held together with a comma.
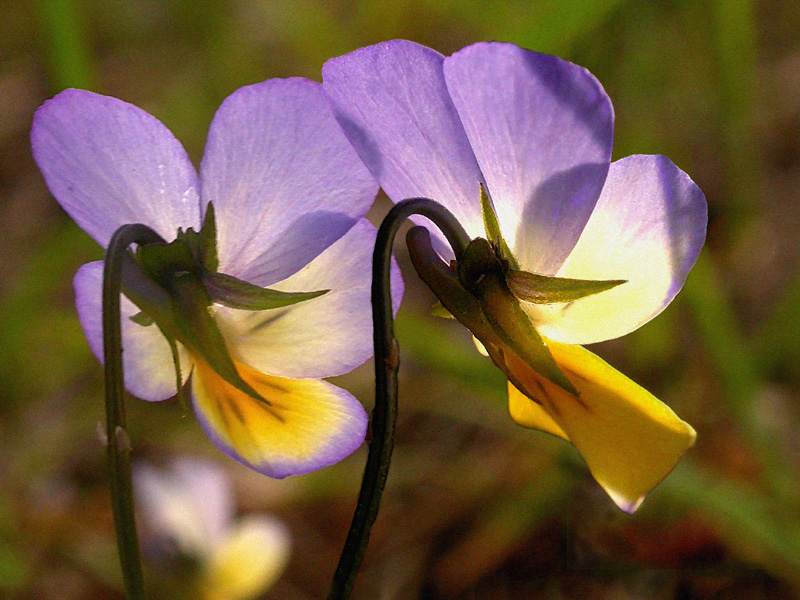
x: 475, y: 507
x: 186, y: 514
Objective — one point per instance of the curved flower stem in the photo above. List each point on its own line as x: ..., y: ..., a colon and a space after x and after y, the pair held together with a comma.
x: 119, y: 465
x: 386, y: 365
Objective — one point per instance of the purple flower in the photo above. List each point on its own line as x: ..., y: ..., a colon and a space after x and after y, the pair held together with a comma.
x: 289, y: 195
x: 537, y: 133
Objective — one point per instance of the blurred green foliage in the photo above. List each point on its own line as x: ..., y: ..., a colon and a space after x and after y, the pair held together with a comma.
x: 476, y: 508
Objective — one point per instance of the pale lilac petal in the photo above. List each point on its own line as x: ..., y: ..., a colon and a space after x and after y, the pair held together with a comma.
x: 190, y: 503
x: 211, y: 492
x: 109, y: 163
x: 542, y: 130
x: 166, y: 512
x: 284, y: 181
x: 146, y: 356
x: 648, y: 228
x: 327, y: 336
x: 392, y: 102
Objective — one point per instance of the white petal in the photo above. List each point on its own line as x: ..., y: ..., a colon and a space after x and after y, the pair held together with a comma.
x: 146, y: 356
x: 648, y: 228
x: 327, y: 336
x: 190, y: 503
x: 212, y: 495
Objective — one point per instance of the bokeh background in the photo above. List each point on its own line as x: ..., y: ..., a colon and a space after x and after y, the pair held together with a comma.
x: 476, y: 507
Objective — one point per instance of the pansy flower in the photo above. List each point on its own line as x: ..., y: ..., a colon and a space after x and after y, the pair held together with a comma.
x: 517, y: 145
x: 275, y: 212
x: 187, y: 512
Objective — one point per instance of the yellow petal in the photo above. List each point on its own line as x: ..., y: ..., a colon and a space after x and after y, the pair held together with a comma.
x: 309, y: 424
x: 629, y: 439
x: 248, y: 562
x: 529, y: 414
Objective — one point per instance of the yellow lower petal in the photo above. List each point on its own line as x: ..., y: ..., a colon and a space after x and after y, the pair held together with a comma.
x: 248, y: 561
x: 529, y: 414
x: 309, y: 423
x: 629, y: 439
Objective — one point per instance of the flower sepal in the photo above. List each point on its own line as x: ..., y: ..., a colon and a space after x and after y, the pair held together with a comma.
x: 176, y: 300
x: 543, y: 289
x: 176, y: 284
x: 475, y: 293
x: 530, y: 287
x: 235, y: 293
x: 492, y: 227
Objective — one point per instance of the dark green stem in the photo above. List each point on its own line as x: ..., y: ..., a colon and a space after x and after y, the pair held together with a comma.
x: 386, y: 365
x: 119, y: 464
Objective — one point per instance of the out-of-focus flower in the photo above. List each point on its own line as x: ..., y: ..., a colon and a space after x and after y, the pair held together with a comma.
x: 288, y: 196
x: 518, y: 146
x: 187, y: 513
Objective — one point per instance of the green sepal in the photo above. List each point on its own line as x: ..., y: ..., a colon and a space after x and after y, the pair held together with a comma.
x: 181, y: 308
x: 176, y: 362
x: 142, y: 318
x: 477, y: 295
x: 438, y: 310
x: 492, y: 226
x: 235, y: 293
x: 208, y: 241
x: 162, y: 261
x: 203, y: 245
x: 542, y: 289
x: 515, y: 328
x: 478, y: 260
x: 149, y: 296
x: 198, y: 331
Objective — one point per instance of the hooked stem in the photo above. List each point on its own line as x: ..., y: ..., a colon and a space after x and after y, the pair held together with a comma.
x: 119, y: 464
x: 386, y: 366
